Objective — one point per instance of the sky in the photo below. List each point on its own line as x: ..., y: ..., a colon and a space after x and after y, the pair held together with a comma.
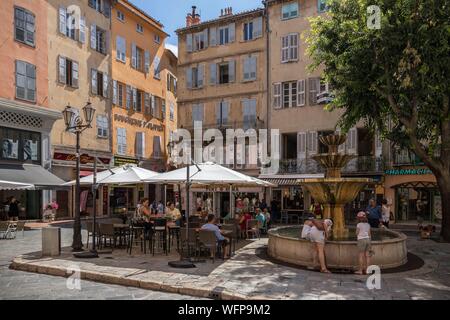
x: 172, y: 13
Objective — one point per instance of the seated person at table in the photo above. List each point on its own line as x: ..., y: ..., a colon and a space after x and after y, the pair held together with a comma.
x: 221, y: 240
x: 243, y: 222
x: 173, y: 214
x: 261, y: 220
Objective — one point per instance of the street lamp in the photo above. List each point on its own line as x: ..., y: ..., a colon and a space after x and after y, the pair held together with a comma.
x: 76, y: 125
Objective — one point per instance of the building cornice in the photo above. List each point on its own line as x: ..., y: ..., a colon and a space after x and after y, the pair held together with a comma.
x: 220, y: 56
x: 35, y: 110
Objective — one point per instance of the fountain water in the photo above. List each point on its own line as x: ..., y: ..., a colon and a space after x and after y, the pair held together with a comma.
x: 333, y: 192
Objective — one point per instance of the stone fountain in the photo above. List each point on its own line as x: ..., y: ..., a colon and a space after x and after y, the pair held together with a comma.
x: 333, y: 192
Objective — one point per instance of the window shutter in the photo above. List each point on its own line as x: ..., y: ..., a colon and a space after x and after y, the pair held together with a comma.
x: 313, y: 90
x: 218, y: 114
x: 75, y: 74
x: 284, y: 49
x: 62, y: 20
x: 213, y: 73
x: 293, y: 46
x: 212, y: 37
x: 232, y: 70
x: 300, y: 93
x: 341, y: 148
x: 201, y: 74
x: 253, y: 67
x: 232, y: 32
x: 128, y: 93
x: 106, y: 8
x: 277, y: 95
x: 94, y: 37
x: 133, y: 55
x: 143, y: 144
x: 301, y: 145
x: 114, y: 98
x: 82, y: 37
x: 246, y: 68
x: 134, y: 90
x: 93, y: 81
x: 153, y: 106
x: 118, y: 48
x: 312, y: 142
x: 189, y: 42
x: 105, y: 85
x: 62, y: 69
x: 352, y: 141
x: 189, y: 78
x: 205, y: 35
x: 147, y: 110
x: 138, y: 144
x: 147, y: 61
x: 156, y: 63
x: 257, y: 27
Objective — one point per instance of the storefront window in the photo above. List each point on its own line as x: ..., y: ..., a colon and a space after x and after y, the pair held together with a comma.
x: 18, y: 145
x: 293, y: 198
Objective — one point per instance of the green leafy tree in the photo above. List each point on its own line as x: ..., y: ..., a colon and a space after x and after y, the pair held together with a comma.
x: 395, y: 78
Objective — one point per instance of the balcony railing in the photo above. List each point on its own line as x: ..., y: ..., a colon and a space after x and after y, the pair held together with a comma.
x: 227, y: 125
x: 359, y: 165
x: 406, y: 159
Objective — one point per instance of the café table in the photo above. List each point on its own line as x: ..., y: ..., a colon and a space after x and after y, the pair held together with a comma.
x: 122, y: 229
x: 229, y: 234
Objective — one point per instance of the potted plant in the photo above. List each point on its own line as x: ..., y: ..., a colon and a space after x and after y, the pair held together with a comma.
x: 50, y: 211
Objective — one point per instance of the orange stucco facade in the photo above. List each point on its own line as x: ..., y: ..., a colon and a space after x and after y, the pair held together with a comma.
x: 142, y: 32
x: 11, y: 50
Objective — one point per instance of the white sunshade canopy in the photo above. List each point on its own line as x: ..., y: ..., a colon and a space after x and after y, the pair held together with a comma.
x: 10, y: 185
x: 209, y: 174
x: 127, y: 174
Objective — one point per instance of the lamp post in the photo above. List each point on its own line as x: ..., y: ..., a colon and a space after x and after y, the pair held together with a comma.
x: 75, y: 124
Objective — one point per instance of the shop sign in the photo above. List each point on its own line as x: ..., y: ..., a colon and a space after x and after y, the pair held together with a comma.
x: 84, y: 158
x: 138, y: 123
x: 402, y: 172
x: 120, y: 161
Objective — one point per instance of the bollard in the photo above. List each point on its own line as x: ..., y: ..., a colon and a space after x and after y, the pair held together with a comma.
x: 51, y: 241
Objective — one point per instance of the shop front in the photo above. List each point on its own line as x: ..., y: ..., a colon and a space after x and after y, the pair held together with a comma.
x: 414, y: 194
x: 25, y: 156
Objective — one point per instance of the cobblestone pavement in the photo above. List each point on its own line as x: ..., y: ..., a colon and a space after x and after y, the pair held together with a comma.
x: 248, y: 276
x: 25, y: 285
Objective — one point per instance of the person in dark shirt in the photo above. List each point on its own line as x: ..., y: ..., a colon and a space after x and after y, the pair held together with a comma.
x: 374, y: 215
x: 13, y: 209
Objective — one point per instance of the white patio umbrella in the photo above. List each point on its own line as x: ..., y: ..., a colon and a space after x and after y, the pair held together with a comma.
x: 126, y: 174
x: 11, y: 185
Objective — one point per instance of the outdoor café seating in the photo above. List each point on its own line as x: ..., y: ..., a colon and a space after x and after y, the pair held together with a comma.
x: 9, y: 229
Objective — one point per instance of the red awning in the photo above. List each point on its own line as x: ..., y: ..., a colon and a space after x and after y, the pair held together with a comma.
x: 85, y: 173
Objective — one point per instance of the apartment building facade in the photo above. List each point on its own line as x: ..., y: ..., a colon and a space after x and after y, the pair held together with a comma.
x: 26, y: 118
x: 143, y: 95
x: 297, y: 100
x: 222, y: 77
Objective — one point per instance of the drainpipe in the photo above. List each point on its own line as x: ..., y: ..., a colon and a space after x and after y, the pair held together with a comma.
x: 266, y: 15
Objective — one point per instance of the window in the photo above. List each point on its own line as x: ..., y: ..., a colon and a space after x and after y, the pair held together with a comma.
x: 70, y: 27
x: 18, y: 145
x: 102, y: 126
x: 289, y: 94
x: 222, y: 110
x: 139, y: 100
x: 157, y: 38
x: 197, y: 113
x: 98, y: 39
x: 250, y: 68
x: 277, y: 95
x: 121, y: 49
x: 313, y: 87
x: 171, y: 83
x: 102, y: 6
x: 139, y: 28
x: 156, y: 147
x: 289, y: 10
x: 289, y: 49
x: 25, y: 81
x: 322, y: 6
x: 163, y: 109
x: 120, y: 16
x: 171, y: 111
x: 122, y: 141
x: 140, y: 59
x: 140, y: 144
x: 301, y: 96
x: 224, y: 35
x: 24, y: 22
x: 223, y: 73
x: 68, y: 72
x: 200, y: 40
x: 195, y: 76
x: 156, y: 68
x: 249, y: 112
x: 248, y: 31
x: 99, y: 83
x: 120, y: 88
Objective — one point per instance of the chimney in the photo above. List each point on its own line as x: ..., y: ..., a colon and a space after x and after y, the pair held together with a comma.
x: 192, y: 18
x: 226, y: 12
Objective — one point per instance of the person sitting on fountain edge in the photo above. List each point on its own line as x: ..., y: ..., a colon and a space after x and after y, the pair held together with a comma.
x: 319, y: 232
x: 374, y: 214
x: 307, y: 225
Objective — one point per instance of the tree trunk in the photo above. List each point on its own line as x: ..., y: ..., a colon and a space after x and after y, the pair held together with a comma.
x: 444, y: 188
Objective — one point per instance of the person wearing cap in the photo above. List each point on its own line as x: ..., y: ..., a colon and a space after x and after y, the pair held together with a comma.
x: 363, y: 236
x: 319, y: 232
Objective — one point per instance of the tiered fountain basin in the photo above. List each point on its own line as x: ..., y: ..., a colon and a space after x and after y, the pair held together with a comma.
x: 389, y: 249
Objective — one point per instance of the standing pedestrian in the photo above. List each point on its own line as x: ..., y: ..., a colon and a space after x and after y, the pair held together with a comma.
x: 363, y: 236
x: 385, y: 212
x: 374, y: 215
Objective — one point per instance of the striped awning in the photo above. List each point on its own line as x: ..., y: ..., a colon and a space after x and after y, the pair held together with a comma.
x: 288, y: 180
